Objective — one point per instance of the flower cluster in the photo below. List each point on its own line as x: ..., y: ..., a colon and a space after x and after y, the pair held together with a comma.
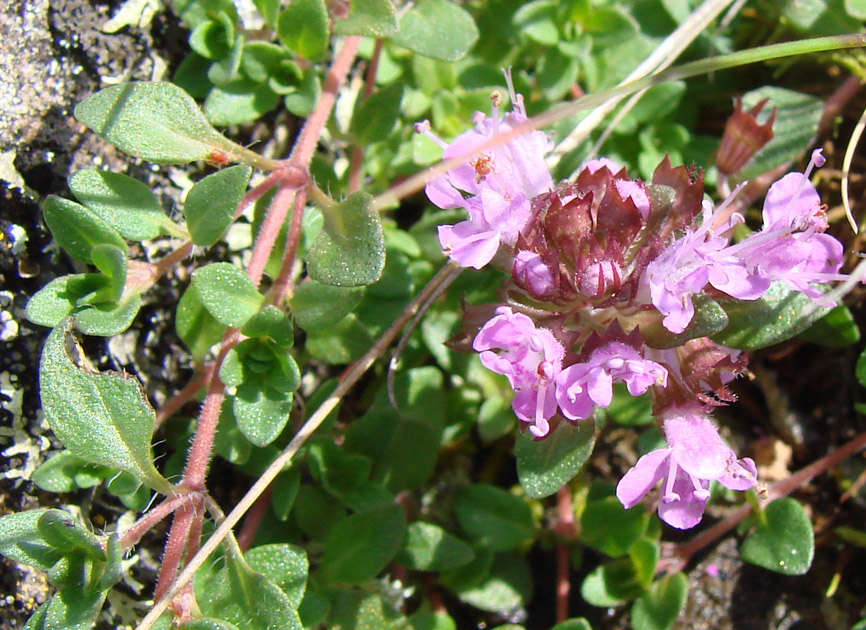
x: 607, y: 274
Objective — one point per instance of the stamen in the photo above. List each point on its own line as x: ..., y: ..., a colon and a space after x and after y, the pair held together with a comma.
x: 669, y: 496
x: 516, y: 99
x: 423, y: 127
x: 495, y: 102
x: 815, y: 160
x: 700, y: 492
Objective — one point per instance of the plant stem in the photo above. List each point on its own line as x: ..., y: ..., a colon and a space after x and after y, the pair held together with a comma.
x: 173, y: 554
x: 564, y: 528
x: 133, y: 534
x: 304, y: 148
x: 351, y: 377
x: 357, y: 159
x: 282, y: 288
x: 174, y: 404
x: 254, y: 519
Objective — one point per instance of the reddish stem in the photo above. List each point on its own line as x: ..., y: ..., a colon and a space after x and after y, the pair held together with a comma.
x: 304, y: 148
x: 565, y: 528
x: 173, y: 555
x: 283, y: 285
x: 176, y: 402
x: 357, y: 159
x: 144, y: 524
x: 259, y: 191
x: 170, y: 260
x: 254, y: 519
x: 198, y: 459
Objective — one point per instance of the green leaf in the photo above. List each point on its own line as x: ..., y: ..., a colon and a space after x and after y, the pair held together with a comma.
x: 249, y: 600
x: 195, y: 326
x: 261, y: 412
x: 65, y: 533
x: 212, y: 39
x: 269, y: 10
x: 709, y: 318
x: 607, y: 526
x: 224, y: 71
x: 227, y: 293
x: 507, y: 587
x: 836, y: 329
x: 353, y: 609
x: 797, y: 118
x: 239, y: 102
x: 545, y: 466
x: 271, y: 323
x: 612, y: 584
x: 771, y: 319
x: 59, y: 472
x: 360, y: 546
x: 78, y: 230
x: 537, y: 21
x: 210, y: 205
x: 71, y: 610
x: 207, y: 623
x: 103, y: 418
x: 285, y: 565
x: 316, y: 305
x: 155, y: 121
x: 659, y: 607
x: 495, y: 518
x: 578, y: 623
x: 369, y: 18
x: 644, y: 555
x: 428, y: 547
x: 437, y: 29
x: 105, y: 320
x: 21, y: 541
x: 375, y: 117
x: 123, y: 202
x: 262, y: 60
x: 54, y: 301
x: 856, y: 8
x: 336, y: 469
x: 341, y: 343
x: 350, y: 249
x: 111, y: 261
x: 628, y: 410
x: 783, y: 541
x: 303, y: 27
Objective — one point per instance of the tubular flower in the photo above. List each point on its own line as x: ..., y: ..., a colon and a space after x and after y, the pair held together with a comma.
x: 695, y: 456
x: 582, y: 386
x: 495, y: 187
x: 529, y: 357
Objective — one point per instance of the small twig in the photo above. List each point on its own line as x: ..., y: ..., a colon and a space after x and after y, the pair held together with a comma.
x: 176, y: 402
x: 358, y: 369
x: 254, y: 519
x: 282, y: 288
x: 134, y: 532
x: 566, y: 529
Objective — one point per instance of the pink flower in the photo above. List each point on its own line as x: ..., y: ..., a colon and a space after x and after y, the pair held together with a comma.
x: 695, y: 456
x: 582, y: 386
x: 495, y: 187
x: 529, y: 357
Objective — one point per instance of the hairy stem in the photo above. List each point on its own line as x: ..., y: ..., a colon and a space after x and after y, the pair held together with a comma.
x: 133, y: 534
x: 349, y: 379
x: 357, y: 159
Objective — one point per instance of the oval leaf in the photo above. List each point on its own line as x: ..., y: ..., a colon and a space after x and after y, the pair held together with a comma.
x: 369, y: 18
x: 359, y: 546
x: 303, y: 27
x: 495, y: 518
x: 155, y: 121
x: 316, y: 305
x: 227, y: 293
x: 437, y: 29
x: 545, y: 466
x: 774, y: 318
x: 78, y: 230
x: 350, y: 249
x: 21, y: 541
x: 123, y: 202
x: 659, y: 607
x: 103, y: 418
x: 784, y: 542
x: 211, y: 203
x: 428, y: 547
